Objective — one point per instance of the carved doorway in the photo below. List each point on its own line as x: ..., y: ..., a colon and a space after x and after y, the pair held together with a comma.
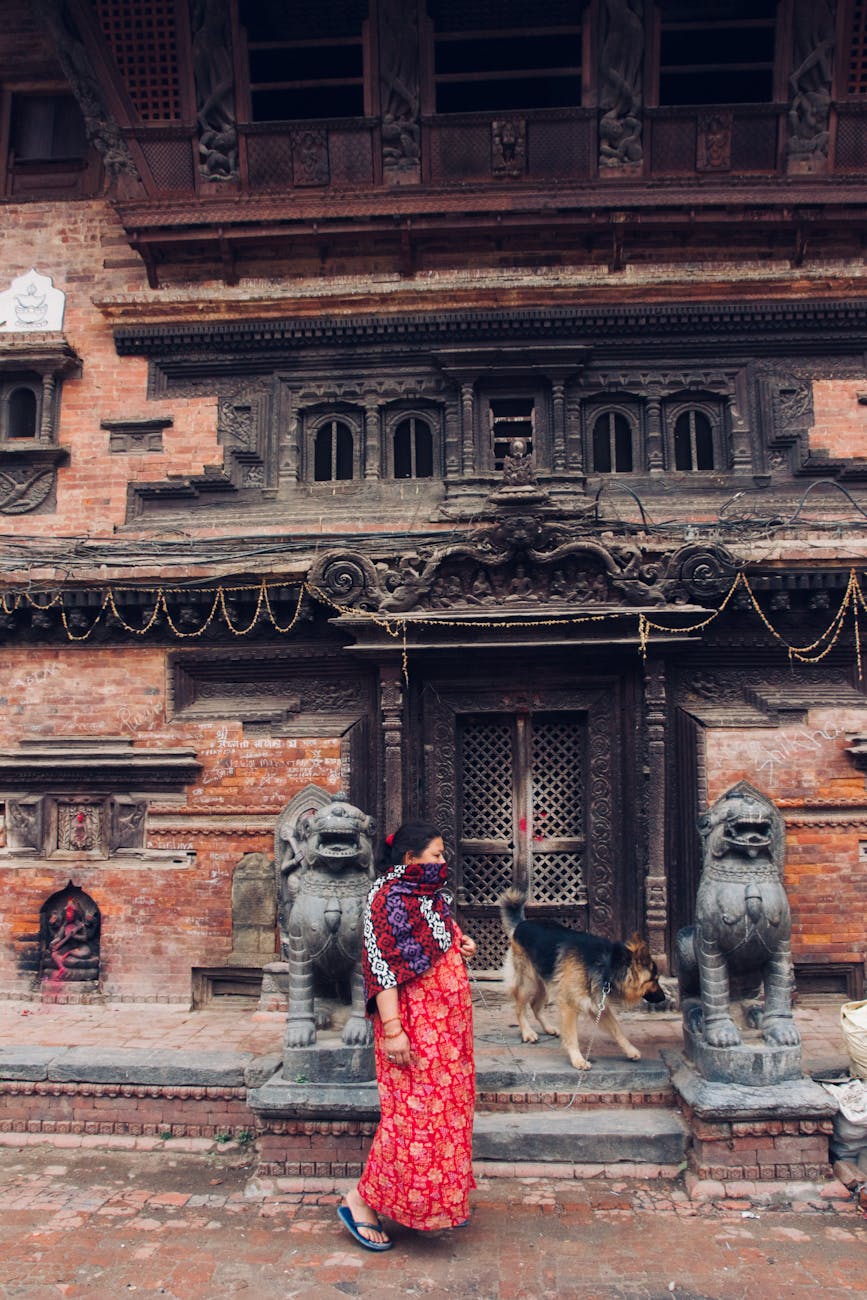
x: 523, y: 784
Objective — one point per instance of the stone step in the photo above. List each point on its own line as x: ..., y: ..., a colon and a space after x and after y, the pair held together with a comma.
x: 546, y: 1075
x: 606, y: 1136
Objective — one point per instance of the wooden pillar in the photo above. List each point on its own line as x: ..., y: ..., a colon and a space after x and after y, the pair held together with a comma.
x: 655, y: 450
x: 656, y: 878
x: 391, y: 706
x: 558, y: 451
x: 372, y: 456
x: 46, y: 424
x: 468, y: 430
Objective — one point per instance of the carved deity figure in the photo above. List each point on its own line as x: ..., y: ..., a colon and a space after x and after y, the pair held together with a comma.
x: 518, y: 464
x: 71, y: 938
x: 810, y: 82
x: 215, y: 89
x: 621, y: 58
x: 742, y: 933
x: 399, y: 86
x: 325, y: 869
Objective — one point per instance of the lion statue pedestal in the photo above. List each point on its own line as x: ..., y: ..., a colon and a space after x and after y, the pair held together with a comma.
x: 740, y: 944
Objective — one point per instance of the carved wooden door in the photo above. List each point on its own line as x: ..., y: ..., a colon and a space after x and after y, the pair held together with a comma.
x: 522, y: 786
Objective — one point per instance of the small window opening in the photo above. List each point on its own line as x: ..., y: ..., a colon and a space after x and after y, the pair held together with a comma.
x: 413, y: 449
x: 693, y: 441
x: 612, y: 444
x: 332, y: 455
x: 23, y: 409
x: 47, y: 128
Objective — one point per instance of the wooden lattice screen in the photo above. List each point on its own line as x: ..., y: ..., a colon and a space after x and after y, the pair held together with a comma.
x: 142, y: 36
x: 857, y: 57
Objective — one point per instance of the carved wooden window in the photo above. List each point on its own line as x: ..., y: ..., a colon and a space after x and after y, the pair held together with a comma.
x: 412, y: 449
x: 20, y: 406
x: 46, y: 128
x: 612, y: 444
x: 510, y: 418
x: 305, y: 61
x: 693, y: 440
x: 492, y: 57
x: 47, y: 151
x: 333, y: 452
x: 726, y: 57
x: 856, y: 79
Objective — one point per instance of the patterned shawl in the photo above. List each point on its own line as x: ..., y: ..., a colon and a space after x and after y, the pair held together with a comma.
x: 407, y: 927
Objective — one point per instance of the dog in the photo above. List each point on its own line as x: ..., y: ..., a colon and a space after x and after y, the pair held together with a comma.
x: 583, y: 971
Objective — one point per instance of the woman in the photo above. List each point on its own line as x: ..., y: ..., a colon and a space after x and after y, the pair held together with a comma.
x: 419, y: 1171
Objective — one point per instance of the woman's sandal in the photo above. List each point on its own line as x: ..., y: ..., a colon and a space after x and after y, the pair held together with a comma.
x: 352, y: 1225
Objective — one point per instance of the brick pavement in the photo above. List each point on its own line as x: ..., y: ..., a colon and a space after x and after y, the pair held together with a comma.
x: 198, y: 1227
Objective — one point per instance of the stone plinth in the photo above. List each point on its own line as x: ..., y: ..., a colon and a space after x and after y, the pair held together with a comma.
x: 329, y: 1061
x: 753, y: 1063
x: 769, y: 1132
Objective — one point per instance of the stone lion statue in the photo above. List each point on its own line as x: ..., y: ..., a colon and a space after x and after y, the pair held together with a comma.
x: 741, y: 939
x: 325, y: 869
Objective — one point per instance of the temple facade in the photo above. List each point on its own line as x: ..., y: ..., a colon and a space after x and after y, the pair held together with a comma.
x: 460, y: 405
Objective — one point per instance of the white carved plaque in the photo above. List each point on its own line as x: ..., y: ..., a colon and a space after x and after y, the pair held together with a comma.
x: 31, y: 303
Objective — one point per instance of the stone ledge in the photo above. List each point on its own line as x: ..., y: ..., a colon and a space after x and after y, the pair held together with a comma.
x: 125, y: 1065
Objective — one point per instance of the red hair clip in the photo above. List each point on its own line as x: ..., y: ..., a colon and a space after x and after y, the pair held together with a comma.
x: 389, y: 839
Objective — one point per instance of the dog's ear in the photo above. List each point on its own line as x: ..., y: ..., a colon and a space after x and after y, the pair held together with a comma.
x: 638, y: 947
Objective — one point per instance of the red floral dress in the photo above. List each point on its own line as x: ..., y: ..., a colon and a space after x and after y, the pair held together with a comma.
x: 419, y: 1171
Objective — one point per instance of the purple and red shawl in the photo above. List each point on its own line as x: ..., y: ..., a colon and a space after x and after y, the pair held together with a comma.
x: 407, y: 927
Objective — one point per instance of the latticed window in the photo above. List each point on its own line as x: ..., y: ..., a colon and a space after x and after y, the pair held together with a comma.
x: 612, y: 444
x: 413, y: 449
x: 333, y: 452
x: 20, y: 404
x: 693, y: 441
x: 142, y: 36
x: 856, y: 81
x: 500, y: 55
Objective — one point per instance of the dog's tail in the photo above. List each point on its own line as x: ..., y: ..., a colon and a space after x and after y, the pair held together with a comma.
x: 512, y: 909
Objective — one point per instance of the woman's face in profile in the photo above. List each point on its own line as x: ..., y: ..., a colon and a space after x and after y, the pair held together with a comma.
x: 433, y: 852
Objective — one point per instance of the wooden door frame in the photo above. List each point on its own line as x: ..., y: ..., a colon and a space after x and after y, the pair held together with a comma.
x: 613, y: 882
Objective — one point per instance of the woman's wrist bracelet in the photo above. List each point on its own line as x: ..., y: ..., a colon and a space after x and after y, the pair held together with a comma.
x: 392, y: 1020
x: 399, y: 1034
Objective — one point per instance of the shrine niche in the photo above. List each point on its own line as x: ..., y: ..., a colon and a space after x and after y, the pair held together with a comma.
x: 69, y: 938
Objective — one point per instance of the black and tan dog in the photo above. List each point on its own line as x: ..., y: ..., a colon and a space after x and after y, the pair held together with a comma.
x: 578, y: 967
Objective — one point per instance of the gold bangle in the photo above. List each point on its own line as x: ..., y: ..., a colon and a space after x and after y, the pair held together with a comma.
x: 392, y: 1020
x: 399, y: 1034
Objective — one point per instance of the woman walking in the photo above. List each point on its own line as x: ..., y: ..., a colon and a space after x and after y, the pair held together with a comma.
x: 419, y: 1171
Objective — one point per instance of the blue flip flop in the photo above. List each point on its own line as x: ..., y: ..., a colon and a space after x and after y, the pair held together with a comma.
x: 344, y: 1214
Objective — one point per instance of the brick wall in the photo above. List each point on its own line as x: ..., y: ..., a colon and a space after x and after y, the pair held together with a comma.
x: 71, y: 243
x: 840, y: 422
x: 160, y: 918
x: 805, y: 769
